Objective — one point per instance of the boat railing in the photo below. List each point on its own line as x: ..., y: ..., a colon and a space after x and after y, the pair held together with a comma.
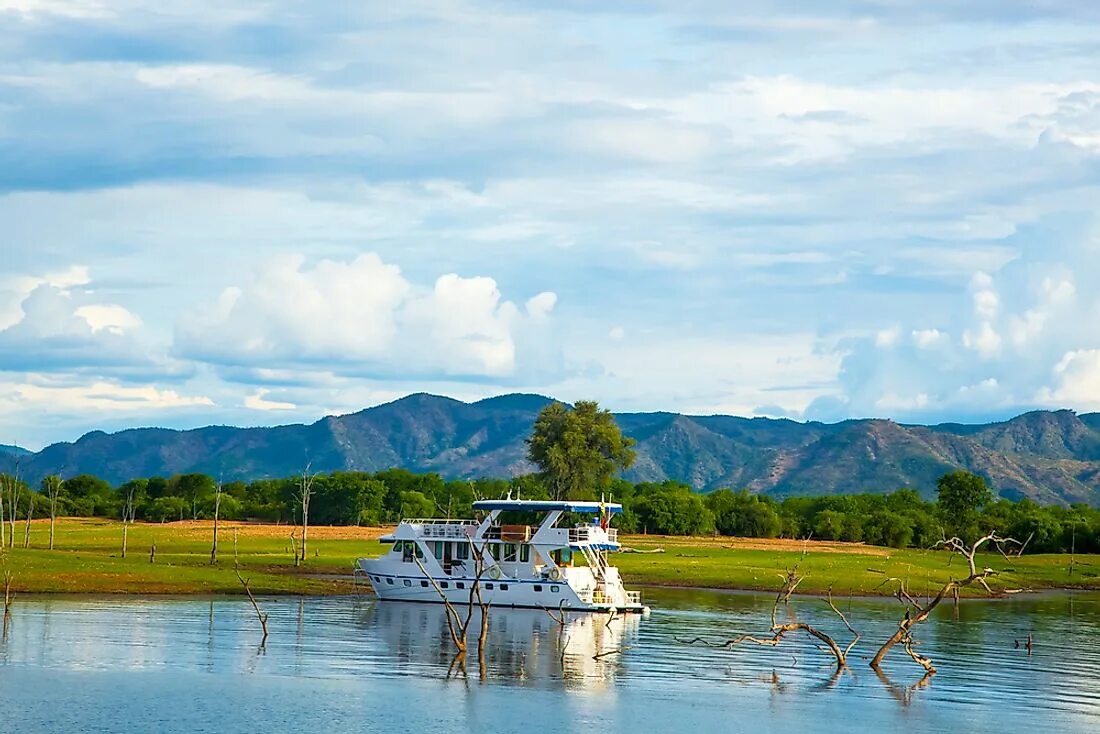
x: 587, y: 534
x: 634, y: 597
x: 437, y: 521
x: 451, y: 529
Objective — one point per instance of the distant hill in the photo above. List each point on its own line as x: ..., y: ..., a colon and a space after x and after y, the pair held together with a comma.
x: 1051, y: 457
x: 6, y: 450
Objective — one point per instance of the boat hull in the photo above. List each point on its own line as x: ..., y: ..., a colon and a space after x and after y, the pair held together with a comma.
x: 506, y: 592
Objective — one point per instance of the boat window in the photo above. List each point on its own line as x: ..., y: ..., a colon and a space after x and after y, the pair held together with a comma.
x: 508, y: 552
x: 443, y: 584
x: 524, y: 553
x: 407, y: 551
x: 554, y: 589
x: 439, y: 549
x: 489, y: 586
x: 538, y: 587
x: 389, y: 581
x: 424, y: 584
x: 408, y: 583
x: 462, y: 551
x: 460, y: 585
x: 504, y: 587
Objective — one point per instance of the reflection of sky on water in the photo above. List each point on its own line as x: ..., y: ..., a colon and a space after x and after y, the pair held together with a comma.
x: 146, y: 658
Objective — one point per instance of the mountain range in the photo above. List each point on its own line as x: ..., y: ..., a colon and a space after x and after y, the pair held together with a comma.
x: 1048, y: 456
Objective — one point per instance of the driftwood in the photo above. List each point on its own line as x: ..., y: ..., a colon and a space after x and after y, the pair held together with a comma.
x: 916, y: 612
x: 780, y: 629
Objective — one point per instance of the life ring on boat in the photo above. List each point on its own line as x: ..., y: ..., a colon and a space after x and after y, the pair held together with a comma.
x: 494, y: 572
x: 555, y: 574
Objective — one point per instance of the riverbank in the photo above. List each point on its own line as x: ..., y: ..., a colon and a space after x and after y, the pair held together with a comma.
x: 87, y: 559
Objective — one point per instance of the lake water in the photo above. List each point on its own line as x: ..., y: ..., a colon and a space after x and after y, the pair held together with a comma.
x: 333, y: 664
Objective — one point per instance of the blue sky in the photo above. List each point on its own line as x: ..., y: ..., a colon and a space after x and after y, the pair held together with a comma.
x: 260, y: 212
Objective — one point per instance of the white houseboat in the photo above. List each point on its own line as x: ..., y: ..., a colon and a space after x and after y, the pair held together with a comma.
x: 525, y: 564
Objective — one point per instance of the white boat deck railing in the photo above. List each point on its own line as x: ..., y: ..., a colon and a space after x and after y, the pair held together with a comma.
x: 440, y: 528
x: 592, y: 533
x: 634, y: 597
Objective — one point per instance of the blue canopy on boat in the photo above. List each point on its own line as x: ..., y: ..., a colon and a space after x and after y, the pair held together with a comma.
x: 590, y: 508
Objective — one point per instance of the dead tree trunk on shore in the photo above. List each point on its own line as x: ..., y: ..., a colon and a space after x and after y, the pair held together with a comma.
x: 27, y: 526
x: 217, y: 510
x: 916, y: 612
x: 127, y: 515
x: 53, y: 485
x: 11, y: 485
x: 304, y: 495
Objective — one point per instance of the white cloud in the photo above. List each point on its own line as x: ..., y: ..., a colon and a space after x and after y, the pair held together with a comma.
x: 1077, y: 381
x: 985, y: 297
x: 15, y: 289
x: 928, y: 338
x: 257, y: 401
x: 80, y: 9
x: 362, y: 316
x: 100, y: 396
x: 617, y: 333
x: 57, y: 331
x: 888, y: 337
x: 985, y: 341
x: 109, y: 316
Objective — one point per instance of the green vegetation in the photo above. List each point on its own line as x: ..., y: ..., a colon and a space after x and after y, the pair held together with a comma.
x: 900, y: 519
x: 88, y: 559
x: 845, y: 568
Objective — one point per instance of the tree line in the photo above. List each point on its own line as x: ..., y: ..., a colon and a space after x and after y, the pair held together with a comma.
x: 964, y: 506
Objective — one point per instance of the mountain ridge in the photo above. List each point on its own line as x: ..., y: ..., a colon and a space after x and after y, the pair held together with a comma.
x: 1048, y: 456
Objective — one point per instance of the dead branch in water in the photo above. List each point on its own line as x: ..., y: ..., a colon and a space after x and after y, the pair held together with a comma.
x: 457, y: 624
x: 780, y: 629
x: 9, y: 597
x: 260, y: 615
x: 916, y: 612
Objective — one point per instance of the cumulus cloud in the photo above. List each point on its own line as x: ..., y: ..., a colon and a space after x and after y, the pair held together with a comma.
x: 57, y: 332
x: 1029, y: 339
x: 363, y: 317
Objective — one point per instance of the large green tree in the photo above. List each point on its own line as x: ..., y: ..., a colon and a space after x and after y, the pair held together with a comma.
x: 578, y: 450
x: 960, y: 496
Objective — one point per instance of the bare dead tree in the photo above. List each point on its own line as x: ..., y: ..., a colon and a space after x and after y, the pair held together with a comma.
x: 12, y: 484
x: 9, y: 595
x: 153, y: 551
x: 780, y: 629
x: 53, y: 485
x: 260, y: 615
x: 27, y: 525
x: 127, y: 513
x: 916, y: 611
x: 304, y: 495
x: 458, y: 624
x: 217, y: 509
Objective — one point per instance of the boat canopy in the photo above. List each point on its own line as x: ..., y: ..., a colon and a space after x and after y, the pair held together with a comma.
x: 589, y: 508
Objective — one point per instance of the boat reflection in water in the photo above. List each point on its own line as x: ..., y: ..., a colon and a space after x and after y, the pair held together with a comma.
x: 522, y: 644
